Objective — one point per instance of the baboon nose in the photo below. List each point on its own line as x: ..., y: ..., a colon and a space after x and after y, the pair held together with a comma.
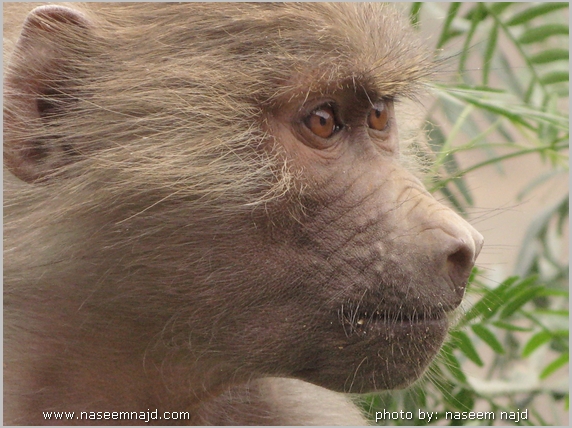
x: 461, y: 259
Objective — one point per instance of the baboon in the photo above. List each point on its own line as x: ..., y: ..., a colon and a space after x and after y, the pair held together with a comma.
x: 206, y: 211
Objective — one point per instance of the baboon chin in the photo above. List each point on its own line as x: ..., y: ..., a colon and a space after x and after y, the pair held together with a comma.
x: 207, y: 212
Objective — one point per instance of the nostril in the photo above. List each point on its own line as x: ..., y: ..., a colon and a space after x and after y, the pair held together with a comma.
x: 459, y: 266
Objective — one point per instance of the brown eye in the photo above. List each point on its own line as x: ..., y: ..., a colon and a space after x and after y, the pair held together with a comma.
x: 322, y: 122
x: 378, y: 117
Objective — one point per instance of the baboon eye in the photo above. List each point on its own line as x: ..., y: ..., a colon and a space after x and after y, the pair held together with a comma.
x: 322, y: 122
x: 378, y: 117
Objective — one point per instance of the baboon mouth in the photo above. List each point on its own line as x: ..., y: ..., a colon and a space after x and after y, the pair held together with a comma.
x: 360, y: 321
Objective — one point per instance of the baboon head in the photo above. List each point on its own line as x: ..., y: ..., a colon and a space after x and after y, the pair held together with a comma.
x: 222, y: 187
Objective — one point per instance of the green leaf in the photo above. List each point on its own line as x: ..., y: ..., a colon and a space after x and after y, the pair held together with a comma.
x: 550, y: 55
x: 479, y: 88
x: 440, y: 380
x: 533, y: 12
x: 488, y: 337
x: 477, y: 14
x: 452, y: 364
x: 474, y: 272
x: 507, y: 326
x: 463, y: 342
x: 520, y: 300
x: 535, y: 230
x: 465, y: 400
x: 508, y: 75
x: 522, y: 285
x: 498, y: 8
x: 461, y: 184
x: 554, y: 365
x: 414, y: 13
x: 452, y: 199
x: 552, y: 292
x: 555, y: 312
x: 489, y: 52
x: 549, y: 132
x: 418, y: 396
x: 490, y: 302
x: 535, y: 342
x: 495, y: 108
x: 537, y: 34
x: 445, y: 34
x: 555, y: 77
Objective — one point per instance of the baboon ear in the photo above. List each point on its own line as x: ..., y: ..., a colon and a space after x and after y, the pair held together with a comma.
x: 38, y: 89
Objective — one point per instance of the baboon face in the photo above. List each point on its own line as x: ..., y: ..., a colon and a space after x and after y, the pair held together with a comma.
x: 237, y: 189
x: 360, y: 281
